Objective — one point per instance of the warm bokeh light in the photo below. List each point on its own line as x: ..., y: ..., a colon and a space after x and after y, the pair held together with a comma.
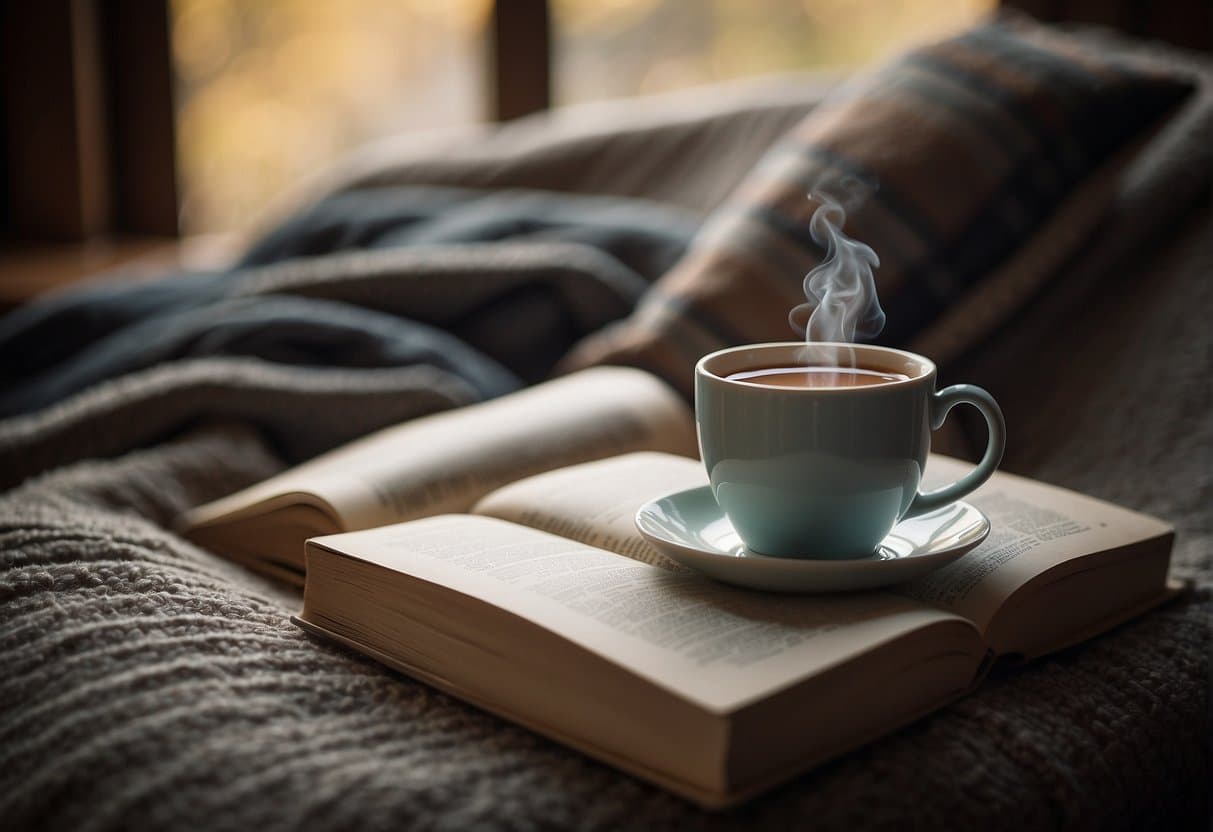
x: 271, y: 91
x: 615, y: 48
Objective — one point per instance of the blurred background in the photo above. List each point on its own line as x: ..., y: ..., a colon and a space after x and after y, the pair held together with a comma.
x: 126, y: 124
x: 268, y: 91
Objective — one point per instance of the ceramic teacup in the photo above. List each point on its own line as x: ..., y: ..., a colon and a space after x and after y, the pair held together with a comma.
x: 827, y: 472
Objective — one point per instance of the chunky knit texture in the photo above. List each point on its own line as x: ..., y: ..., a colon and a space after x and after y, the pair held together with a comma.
x: 150, y: 685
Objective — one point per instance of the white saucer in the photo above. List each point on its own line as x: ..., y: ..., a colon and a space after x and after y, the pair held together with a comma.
x: 689, y: 527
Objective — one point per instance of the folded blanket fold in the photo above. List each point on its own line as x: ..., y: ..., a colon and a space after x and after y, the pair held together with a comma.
x: 486, y: 290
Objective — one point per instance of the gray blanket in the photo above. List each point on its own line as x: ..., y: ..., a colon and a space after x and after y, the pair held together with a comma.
x: 475, y: 292
x: 148, y: 684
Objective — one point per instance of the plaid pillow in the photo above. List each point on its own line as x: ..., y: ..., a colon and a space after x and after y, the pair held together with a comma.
x: 992, y: 152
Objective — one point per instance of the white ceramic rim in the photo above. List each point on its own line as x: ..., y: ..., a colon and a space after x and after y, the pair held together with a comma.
x: 926, y: 367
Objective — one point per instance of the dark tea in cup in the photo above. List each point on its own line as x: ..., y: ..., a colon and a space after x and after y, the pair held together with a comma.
x: 811, y: 378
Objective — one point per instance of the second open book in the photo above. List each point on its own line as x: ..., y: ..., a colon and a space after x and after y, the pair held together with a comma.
x: 542, y: 603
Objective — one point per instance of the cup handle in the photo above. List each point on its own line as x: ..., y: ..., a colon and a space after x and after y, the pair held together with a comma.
x: 943, y: 401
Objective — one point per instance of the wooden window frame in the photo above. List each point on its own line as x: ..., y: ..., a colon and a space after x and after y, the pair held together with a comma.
x: 87, y: 129
x: 520, y: 58
x: 87, y: 120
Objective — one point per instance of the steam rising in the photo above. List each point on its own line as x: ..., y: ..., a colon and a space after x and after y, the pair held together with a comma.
x: 841, y: 290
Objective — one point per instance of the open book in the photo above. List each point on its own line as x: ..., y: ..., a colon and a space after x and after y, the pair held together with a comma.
x: 544, y: 605
x: 443, y: 463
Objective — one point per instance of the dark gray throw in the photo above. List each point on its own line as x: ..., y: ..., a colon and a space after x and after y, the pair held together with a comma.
x: 370, y: 277
x: 438, y: 296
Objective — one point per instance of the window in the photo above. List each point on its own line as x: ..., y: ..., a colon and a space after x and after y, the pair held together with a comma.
x: 615, y: 48
x: 269, y: 92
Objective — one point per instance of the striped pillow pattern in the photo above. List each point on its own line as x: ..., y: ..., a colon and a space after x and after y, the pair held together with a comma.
x: 970, y: 149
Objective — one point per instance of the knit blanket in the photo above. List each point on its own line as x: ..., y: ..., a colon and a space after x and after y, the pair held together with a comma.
x: 432, y: 296
x: 148, y: 684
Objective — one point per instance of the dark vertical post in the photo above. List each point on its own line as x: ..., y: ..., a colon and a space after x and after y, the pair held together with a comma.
x: 87, y: 119
x: 520, y: 58
x: 54, y: 120
x: 143, y: 148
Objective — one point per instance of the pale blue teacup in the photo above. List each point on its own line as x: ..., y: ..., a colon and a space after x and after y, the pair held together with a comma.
x: 827, y: 472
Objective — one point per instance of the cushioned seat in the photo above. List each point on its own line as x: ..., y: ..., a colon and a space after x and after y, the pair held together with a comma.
x: 149, y: 684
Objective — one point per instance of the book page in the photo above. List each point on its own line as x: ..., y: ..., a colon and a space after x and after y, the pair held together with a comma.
x: 714, y: 645
x: 596, y: 502
x: 447, y: 461
x: 1034, y: 527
